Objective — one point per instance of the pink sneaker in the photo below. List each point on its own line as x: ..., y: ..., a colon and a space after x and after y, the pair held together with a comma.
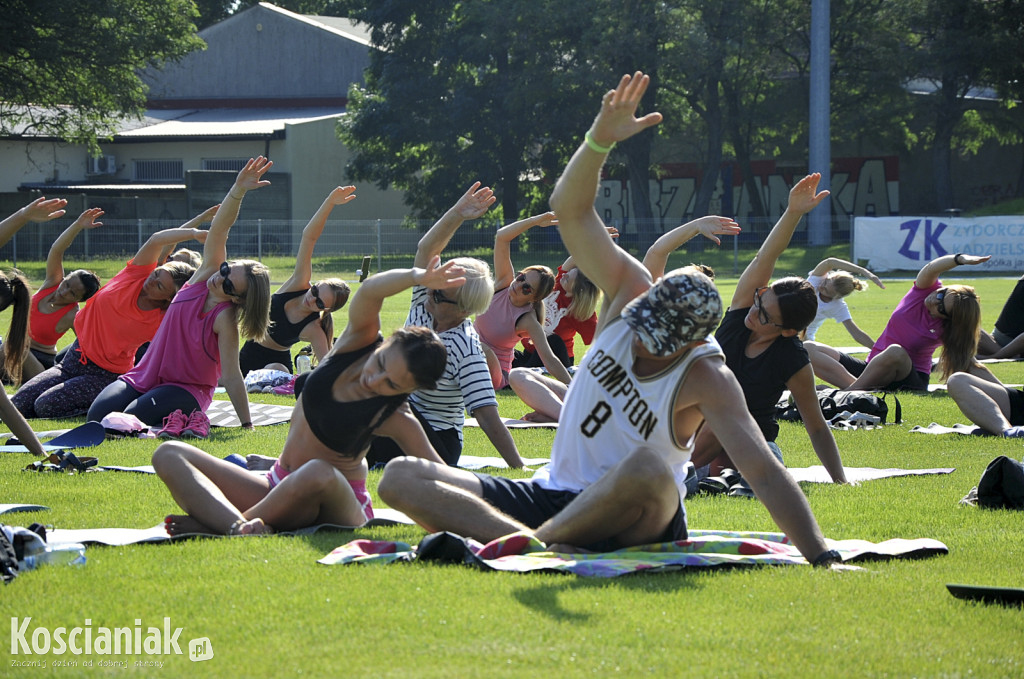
x: 197, y: 426
x: 173, y: 424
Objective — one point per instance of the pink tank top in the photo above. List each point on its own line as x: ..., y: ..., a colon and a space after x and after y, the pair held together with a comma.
x: 497, y: 327
x: 184, y: 352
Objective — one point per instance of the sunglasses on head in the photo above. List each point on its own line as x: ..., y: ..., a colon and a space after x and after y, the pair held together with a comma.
x: 940, y: 305
x: 524, y: 286
x: 439, y: 298
x: 315, y: 291
x: 227, y: 285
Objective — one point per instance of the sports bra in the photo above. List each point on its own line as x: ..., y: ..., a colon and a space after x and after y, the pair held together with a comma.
x: 42, y: 327
x: 281, y: 330
x: 345, y: 427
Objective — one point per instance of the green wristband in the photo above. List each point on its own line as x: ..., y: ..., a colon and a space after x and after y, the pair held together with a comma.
x: 594, y: 146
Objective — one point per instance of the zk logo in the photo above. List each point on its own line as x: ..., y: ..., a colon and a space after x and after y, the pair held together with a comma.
x: 200, y: 649
x: 929, y: 235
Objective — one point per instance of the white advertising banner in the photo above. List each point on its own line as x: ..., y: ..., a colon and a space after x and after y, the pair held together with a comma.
x: 908, y: 243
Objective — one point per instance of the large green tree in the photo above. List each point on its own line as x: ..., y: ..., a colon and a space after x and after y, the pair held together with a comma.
x: 456, y: 92
x: 70, y: 69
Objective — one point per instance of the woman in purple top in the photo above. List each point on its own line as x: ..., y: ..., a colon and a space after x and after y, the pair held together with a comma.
x: 930, y: 314
x: 198, y: 337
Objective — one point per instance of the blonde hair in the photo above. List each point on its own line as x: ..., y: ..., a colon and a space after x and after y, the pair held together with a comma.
x: 474, y: 296
x: 190, y: 257
x: 960, y: 335
x: 585, y: 295
x: 844, y: 283
x: 254, y: 309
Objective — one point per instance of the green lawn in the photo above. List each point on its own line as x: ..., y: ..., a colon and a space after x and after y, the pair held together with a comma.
x: 270, y: 610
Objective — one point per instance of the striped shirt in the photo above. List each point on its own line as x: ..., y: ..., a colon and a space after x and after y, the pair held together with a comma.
x: 466, y: 382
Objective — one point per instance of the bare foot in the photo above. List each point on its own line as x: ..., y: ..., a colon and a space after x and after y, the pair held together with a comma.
x: 259, y: 463
x: 183, y: 524
x: 534, y: 416
x: 250, y: 527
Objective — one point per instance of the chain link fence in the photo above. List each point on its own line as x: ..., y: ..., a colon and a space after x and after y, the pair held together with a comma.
x: 393, y: 243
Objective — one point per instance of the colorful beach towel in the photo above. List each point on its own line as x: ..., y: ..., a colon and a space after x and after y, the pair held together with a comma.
x: 704, y: 549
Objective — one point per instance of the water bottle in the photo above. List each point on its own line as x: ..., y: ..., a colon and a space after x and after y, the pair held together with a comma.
x: 68, y: 553
x: 303, y: 364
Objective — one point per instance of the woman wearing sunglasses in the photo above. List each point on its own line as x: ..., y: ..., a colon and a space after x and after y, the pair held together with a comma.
x: 929, y: 315
x: 759, y: 336
x: 300, y: 312
x: 122, y: 316
x: 197, y: 343
x: 517, y: 307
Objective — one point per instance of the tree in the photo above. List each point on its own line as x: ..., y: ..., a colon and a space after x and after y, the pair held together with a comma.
x: 455, y: 92
x: 70, y: 69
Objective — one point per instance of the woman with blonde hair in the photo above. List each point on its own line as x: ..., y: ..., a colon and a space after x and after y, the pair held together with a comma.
x: 300, y: 311
x: 197, y: 344
x: 929, y: 315
x: 832, y: 280
x: 517, y: 307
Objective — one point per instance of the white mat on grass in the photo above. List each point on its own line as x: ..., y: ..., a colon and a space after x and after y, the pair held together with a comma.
x: 935, y: 428
x: 818, y: 474
x: 222, y: 414
x: 475, y: 462
x: 513, y: 423
x: 384, y: 516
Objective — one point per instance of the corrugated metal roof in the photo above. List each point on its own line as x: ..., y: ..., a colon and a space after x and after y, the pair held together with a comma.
x: 227, y: 122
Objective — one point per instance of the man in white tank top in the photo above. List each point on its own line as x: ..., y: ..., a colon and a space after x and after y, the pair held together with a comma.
x: 651, y: 378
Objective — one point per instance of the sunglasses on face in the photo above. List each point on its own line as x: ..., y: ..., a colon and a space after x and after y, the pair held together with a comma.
x: 762, y: 313
x: 524, y: 286
x: 227, y: 285
x: 940, y: 305
x: 439, y: 298
x: 315, y: 291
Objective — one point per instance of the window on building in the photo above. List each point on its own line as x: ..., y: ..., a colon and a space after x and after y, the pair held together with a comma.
x: 231, y: 164
x: 159, y: 170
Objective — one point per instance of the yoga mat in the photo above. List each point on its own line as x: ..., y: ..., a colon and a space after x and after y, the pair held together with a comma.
x: 83, y: 436
x: 115, y: 537
x: 222, y: 414
x: 474, y: 462
x: 817, y: 473
x: 11, y: 508
x: 935, y: 428
x: 704, y: 549
x: 39, y: 434
x: 513, y: 423
x: 989, y: 595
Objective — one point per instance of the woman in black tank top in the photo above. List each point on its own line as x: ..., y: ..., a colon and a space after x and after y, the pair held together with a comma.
x: 300, y: 311
x: 357, y: 392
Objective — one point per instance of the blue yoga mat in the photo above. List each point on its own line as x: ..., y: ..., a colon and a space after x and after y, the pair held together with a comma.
x: 83, y: 436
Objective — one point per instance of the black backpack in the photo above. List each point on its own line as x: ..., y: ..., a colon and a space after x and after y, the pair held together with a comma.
x: 834, y: 401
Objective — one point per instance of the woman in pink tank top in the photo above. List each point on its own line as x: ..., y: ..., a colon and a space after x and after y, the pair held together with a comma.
x: 517, y: 308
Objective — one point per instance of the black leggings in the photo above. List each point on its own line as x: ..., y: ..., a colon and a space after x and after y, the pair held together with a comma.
x: 151, y: 407
x: 531, y: 359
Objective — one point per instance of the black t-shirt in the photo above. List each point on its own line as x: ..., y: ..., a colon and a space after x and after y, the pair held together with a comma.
x: 1011, y: 319
x: 762, y: 378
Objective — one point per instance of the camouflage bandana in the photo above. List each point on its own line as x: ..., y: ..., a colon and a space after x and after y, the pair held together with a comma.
x: 682, y: 307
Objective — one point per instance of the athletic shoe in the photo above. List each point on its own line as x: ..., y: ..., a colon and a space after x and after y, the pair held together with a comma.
x: 198, y: 426
x: 173, y: 425
x: 1014, y: 433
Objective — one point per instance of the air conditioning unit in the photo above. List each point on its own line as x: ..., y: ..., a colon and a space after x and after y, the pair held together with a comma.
x: 101, y: 165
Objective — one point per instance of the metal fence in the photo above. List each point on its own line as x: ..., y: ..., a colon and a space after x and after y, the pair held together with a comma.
x: 388, y: 241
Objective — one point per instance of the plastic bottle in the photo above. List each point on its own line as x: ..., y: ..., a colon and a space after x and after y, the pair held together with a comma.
x: 303, y: 364
x: 68, y: 553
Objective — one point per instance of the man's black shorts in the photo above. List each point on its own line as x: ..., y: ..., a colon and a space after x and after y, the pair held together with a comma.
x: 530, y: 504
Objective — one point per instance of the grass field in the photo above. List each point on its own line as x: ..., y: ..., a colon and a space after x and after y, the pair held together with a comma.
x: 269, y: 609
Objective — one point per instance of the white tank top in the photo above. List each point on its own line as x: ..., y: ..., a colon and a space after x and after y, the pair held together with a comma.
x: 610, y: 411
